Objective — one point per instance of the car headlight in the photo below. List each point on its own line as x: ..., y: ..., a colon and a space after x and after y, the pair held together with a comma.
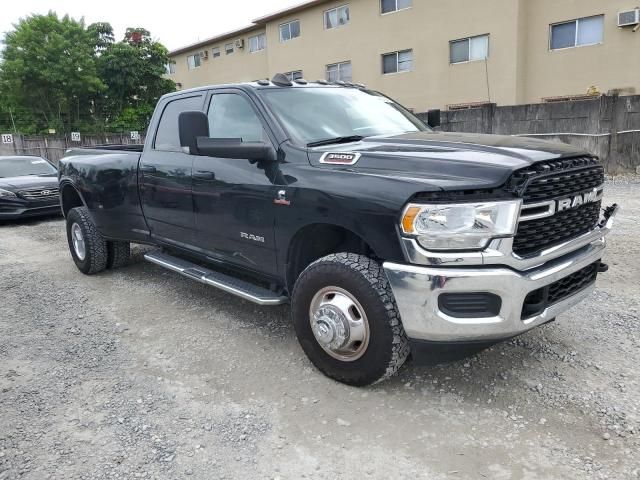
x: 460, y: 226
x: 6, y: 194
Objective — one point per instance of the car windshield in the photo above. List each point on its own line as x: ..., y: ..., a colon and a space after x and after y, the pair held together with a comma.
x: 317, y: 115
x: 22, y: 166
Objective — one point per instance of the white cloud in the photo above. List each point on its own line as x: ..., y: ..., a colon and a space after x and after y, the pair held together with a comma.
x: 175, y: 24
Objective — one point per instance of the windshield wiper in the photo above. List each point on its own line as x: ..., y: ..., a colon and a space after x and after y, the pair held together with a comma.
x: 333, y: 141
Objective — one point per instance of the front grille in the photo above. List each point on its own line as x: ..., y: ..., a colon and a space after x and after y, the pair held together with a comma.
x: 536, y: 302
x: 563, y: 184
x: 536, y: 235
x: 554, y: 180
x: 519, y: 179
x: 39, y: 193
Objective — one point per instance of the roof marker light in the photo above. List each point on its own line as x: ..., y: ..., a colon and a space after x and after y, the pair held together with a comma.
x: 281, y: 80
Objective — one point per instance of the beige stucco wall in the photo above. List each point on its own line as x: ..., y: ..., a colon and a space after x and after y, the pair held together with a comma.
x: 520, y: 67
x: 239, y: 66
x: 611, y: 65
x: 426, y: 28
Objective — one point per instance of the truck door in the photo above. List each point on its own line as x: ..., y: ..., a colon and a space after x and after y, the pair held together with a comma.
x: 165, y: 176
x: 233, y: 198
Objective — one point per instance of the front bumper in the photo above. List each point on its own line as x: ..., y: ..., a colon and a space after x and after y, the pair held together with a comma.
x: 417, y: 290
x: 19, y: 209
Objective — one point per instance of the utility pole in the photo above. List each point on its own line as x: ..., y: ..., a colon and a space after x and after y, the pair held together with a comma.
x: 13, y: 122
x: 486, y: 71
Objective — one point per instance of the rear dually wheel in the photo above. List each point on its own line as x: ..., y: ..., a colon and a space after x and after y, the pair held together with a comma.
x: 87, y: 246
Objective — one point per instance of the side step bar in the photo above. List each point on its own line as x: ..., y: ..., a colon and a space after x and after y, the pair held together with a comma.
x: 235, y: 286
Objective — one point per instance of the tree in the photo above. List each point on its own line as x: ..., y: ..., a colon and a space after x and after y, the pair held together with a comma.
x: 133, y: 73
x: 49, y: 70
x: 102, y: 35
x: 55, y: 73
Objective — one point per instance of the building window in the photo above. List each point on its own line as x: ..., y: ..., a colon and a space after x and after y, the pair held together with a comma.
x: 469, y: 49
x: 215, y: 52
x: 193, y: 61
x: 336, y: 17
x: 289, y: 30
x: 339, y: 72
x: 170, y: 68
x: 397, y: 62
x: 228, y: 48
x: 388, y: 6
x: 257, y: 42
x: 295, y: 75
x: 577, y: 33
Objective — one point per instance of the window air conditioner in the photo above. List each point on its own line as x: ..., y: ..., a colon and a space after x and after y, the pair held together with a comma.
x: 629, y: 18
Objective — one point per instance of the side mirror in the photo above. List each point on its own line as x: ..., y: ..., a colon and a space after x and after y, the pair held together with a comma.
x: 433, y: 118
x: 235, y: 148
x: 192, y: 125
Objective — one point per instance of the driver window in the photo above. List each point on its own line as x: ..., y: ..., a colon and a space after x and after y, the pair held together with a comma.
x: 232, y: 116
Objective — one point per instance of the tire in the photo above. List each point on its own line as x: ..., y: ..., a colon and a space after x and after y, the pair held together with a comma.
x: 95, y: 255
x: 118, y: 254
x: 358, y: 281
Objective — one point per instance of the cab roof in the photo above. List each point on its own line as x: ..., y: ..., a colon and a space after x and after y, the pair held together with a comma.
x: 278, y: 81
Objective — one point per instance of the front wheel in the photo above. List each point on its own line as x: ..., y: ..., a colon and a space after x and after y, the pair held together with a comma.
x: 347, y: 321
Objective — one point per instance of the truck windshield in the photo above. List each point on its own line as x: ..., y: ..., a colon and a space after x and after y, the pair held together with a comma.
x: 22, y: 166
x: 315, y: 116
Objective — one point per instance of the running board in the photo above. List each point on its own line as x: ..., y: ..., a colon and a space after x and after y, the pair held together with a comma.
x: 235, y: 286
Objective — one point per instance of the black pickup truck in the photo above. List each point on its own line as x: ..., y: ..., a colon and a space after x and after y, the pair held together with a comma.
x: 387, y: 237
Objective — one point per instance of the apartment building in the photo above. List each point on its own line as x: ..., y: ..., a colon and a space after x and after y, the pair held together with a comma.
x: 433, y: 53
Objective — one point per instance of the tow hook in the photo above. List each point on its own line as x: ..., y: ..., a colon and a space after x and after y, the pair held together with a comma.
x: 603, y: 267
x: 609, y: 212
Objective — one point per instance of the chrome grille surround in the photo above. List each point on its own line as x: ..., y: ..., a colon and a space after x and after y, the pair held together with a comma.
x: 39, y: 193
x: 503, y: 251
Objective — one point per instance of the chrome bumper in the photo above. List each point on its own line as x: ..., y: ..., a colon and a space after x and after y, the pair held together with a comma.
x: 416, y: 289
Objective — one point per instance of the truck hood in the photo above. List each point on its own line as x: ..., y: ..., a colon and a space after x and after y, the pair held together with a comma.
x: 15, y: 184
x: 446, y: 160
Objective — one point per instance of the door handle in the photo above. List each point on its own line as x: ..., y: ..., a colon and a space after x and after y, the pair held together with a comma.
x: 204, y: 175
x: 147, y: 168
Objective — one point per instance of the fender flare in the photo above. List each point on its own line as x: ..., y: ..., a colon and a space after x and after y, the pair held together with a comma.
x: 64, y: 184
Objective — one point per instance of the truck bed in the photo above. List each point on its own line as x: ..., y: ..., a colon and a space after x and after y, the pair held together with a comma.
x: 106, y: 148
x: 106, y: 177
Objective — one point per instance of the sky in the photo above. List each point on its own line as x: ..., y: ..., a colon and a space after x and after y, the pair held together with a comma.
x: 175, y: 24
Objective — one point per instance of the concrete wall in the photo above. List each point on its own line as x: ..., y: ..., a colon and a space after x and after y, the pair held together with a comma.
x: 608, y: 126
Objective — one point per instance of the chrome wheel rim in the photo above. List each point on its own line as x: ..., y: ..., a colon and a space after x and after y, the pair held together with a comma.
x: 78, y: 241
x: 339, y: 324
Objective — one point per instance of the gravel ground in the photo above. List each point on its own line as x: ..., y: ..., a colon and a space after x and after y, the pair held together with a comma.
x: 140, y: 373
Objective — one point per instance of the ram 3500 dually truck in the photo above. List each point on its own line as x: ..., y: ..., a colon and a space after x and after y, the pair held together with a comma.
x: 388, y: 238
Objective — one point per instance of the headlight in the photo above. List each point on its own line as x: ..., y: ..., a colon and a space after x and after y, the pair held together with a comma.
x: 460, y: 226
x: 6, y: 194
